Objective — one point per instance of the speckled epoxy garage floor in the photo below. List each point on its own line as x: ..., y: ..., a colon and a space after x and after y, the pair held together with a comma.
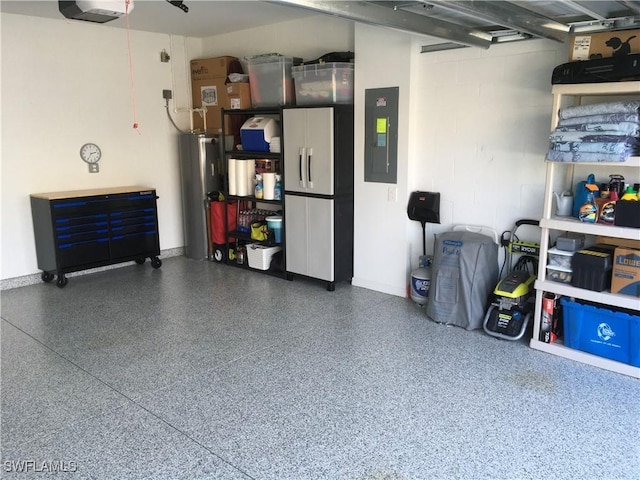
x: 200, y: 370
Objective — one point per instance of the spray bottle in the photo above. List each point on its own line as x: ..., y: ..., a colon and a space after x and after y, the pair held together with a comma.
x: 589, y: 210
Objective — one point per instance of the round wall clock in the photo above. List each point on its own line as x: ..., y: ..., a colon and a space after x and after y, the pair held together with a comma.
x: 90, y: 153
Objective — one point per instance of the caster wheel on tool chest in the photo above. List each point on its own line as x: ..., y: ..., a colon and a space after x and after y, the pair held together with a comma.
x: 62, y: 281
x: 46, y: 277
x: 140, y: 261
x: 156, y: 262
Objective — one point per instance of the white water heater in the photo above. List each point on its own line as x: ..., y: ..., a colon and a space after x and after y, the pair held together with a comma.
x: 99, y: 11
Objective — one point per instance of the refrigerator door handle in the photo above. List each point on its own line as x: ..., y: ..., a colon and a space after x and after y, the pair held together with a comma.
x: 309, y: 157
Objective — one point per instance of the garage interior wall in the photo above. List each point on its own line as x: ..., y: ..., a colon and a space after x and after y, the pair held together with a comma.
x: 473, y: 125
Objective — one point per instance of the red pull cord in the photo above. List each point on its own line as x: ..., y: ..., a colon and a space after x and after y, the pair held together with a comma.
x: 133, y: 85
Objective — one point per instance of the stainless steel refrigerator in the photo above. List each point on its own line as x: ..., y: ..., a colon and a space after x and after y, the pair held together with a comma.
x: 318, y: 183
x: 200, y: 174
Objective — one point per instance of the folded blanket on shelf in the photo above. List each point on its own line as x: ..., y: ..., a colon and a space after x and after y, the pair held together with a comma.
x: 557, y: 156
x: 622, y: 128
x: 600, y: 108
x: 592, y: 137
x: 603, y: 118
x: 594, y: 147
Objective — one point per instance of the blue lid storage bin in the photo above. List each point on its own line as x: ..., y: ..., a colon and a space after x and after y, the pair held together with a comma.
x: 602, y: 332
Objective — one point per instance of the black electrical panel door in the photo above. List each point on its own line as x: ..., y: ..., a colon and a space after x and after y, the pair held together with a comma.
x: 381, y: 135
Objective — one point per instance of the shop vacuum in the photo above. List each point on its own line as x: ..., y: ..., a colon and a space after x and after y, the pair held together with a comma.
x: 423, y: 207
x: 509, y: 314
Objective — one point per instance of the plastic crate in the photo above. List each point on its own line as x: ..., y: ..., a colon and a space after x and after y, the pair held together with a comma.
x: 325, y: 83
x: 603, y: 332
x: 259, y: 256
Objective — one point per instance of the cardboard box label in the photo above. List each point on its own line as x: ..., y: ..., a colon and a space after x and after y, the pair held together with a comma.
x: 209, y: 95
x: 581, y: 45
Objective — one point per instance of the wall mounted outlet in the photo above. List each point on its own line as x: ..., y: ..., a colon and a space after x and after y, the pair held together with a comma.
x: 166, y: 94
x: 392, y: 194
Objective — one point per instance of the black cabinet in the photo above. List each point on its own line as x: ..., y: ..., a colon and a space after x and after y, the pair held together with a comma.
x: 83, y: 229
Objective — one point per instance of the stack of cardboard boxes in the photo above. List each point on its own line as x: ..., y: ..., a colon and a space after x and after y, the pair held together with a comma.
x: 210, y: 87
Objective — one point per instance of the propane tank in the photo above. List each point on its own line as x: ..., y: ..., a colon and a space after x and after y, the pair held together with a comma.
x: 421, y: 281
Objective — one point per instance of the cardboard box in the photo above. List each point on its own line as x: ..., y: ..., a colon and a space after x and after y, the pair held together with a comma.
x: 619, y: 242
x: 238, y: 96
x: 584, y: 46
x: 208, y: 88
x: 625, y: 276
x: 204, y: 69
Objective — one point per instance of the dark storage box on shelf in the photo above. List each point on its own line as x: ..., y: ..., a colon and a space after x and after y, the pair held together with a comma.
x: 592, y: 266
x: 627, y: 213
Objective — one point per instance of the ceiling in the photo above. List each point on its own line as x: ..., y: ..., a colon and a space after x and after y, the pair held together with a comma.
x: 204, y: 19
x: 454, y: 23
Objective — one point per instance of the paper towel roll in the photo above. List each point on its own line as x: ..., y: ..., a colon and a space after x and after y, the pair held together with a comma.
x: 232, y: 165
x: 268, y: 185
x: 241, y: 178
x: 251, y: 176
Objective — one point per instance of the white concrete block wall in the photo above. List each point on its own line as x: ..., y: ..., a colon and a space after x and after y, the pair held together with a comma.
x: 484, y: 121
x: 473, y: 126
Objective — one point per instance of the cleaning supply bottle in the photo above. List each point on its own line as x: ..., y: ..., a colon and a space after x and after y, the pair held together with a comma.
x: 582, y: 193
x: 607, y: 208
x: 588, y: 210
x: 277, y: 189
x: 259, y: 189
x: 629, y: 194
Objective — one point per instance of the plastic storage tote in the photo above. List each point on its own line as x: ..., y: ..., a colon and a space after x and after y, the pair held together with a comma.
x: 325, y: 83
x: 602, y: 332
x: 259, y: 256
x: 270, y: 80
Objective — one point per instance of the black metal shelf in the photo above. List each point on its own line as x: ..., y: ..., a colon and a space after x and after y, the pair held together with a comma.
x: 253, y: 111
x: 236, y: 236
x: 254, y: 199
x: 246, y: 237
x: 241, y: 154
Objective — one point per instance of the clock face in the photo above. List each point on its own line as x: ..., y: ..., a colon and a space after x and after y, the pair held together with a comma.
x: 90, y: 153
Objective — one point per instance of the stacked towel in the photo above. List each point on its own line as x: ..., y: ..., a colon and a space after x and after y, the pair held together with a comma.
x: 602, y: 132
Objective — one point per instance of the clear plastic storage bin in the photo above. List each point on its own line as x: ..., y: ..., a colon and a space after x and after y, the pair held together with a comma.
x: 560, y: 258
x: 325, y: 83
x: 270, y: 80
x: 559, y: 274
